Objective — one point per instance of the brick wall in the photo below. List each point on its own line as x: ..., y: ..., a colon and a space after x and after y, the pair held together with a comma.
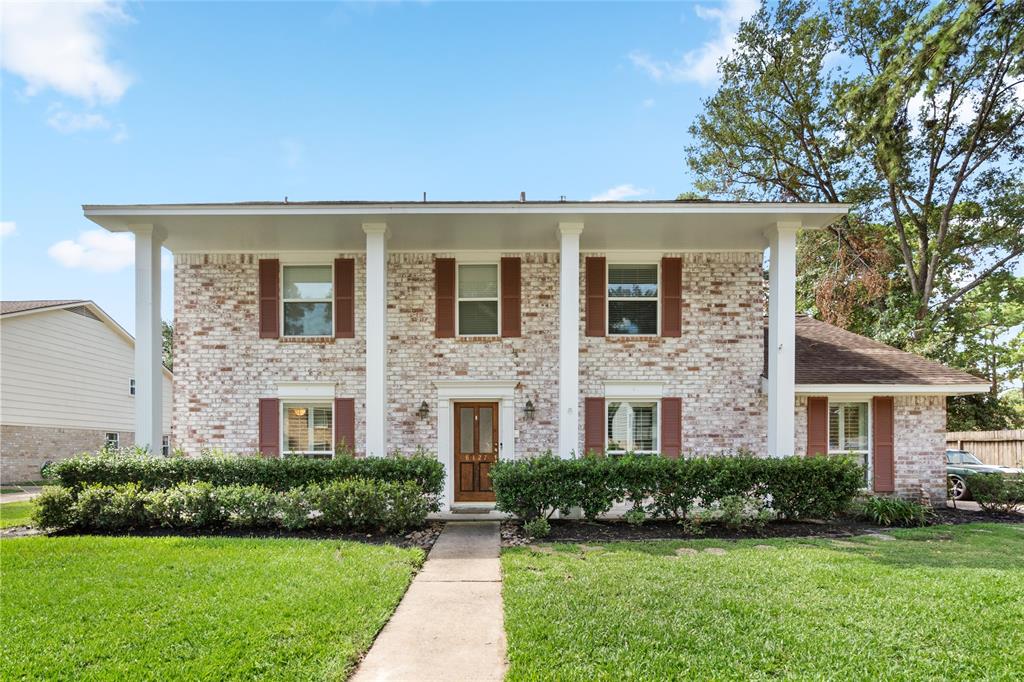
x: 24, y: 449
x: 715, y: 366
x: 222, y: 367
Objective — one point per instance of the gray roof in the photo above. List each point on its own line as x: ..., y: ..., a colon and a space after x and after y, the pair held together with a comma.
x: 7, y: 307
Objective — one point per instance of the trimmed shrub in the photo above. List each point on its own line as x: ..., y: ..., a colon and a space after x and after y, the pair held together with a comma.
x: 192, y: 505
x: 792, y: 488
x: 997, y: 492
x: 277, y: 474
x: 248, y: 506
x: 537, y: 528
x: 54, y: 508
x: 893, y: 511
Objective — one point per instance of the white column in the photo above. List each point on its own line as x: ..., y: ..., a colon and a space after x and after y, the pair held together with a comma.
x: 376, y: 338
x: 781, y: 338
x: 148, y: 339
x: 569, y: 340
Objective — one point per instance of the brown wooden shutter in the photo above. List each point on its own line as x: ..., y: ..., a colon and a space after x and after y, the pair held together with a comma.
x: 444, y: 298
x: 883, y: 456
x: 671, y: 427
x: 270, y: 427
x: 511, y: 297
x: 593, y: 425
x: 817, y: 426
x: 270, y: 298
x: 344, y: 298
x: 671, y: 296
x: 596, y: 311
x: 345, y: 424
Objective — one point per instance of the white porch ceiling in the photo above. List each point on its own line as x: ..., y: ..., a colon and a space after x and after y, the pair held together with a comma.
x: 442, y: 226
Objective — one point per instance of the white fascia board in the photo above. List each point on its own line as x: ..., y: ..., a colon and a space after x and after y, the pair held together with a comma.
x: 448, y: 209
x: 891, y: 389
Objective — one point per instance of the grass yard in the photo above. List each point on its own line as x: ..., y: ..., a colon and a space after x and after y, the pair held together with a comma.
x: 15, y: 514
x: 193, y: 608
x: 942, y: 602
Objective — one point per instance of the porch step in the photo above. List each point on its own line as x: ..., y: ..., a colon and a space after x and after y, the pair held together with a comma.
x: 472, y: 510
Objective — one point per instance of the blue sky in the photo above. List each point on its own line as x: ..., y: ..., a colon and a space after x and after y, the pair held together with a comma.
x: 187, y: 102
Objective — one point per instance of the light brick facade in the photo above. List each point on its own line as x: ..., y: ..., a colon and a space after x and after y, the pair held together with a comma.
x: 222, y: 367
x: 25, y: 449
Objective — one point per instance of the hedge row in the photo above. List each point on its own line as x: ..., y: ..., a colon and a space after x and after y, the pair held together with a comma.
x: 278, y: 474
x: 793, y: 487
x: 350, y: 505
x: 997, y: 492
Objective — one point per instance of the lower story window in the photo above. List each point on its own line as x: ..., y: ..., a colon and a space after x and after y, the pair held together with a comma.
x: 308, y: 429
x: 165, y: 446
x: 112, y: 441
x: 848, y: 432
x: 632, y: 427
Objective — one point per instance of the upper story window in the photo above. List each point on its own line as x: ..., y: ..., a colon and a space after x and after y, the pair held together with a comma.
x: 848, y: 431
x: 308, y: 299
x: 131, y: 386
x: 478, y: 300
x: 308, y: 429
x: 165, y: 446
x: 632, y: 427
x: 633, y: 299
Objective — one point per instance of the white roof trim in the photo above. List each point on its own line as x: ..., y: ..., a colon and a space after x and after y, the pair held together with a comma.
x: 891, y: 389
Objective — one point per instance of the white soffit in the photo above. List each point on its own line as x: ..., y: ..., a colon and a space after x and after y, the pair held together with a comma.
x: 660, y: 226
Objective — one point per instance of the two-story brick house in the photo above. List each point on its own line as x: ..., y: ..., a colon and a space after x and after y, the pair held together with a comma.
x: 487, y: 330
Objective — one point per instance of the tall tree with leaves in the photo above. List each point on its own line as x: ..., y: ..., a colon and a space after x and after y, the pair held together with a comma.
x: 913, y: 111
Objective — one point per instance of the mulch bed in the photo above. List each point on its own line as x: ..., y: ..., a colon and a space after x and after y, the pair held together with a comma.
x: 618, y: 530
x: 423, y: 538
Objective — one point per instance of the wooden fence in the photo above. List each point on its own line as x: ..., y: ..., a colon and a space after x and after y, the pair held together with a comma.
x: 1004, y: 448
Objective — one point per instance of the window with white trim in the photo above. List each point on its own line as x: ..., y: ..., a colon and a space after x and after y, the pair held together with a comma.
x: 307, y: 295
x: 165, y: 446
x: 131, y: 386
x: 111, y: 440
x: 848, y: 432
x: 632, y: 426
x: 477, y: 292
x: 308, y: 429
x: 633, y: 299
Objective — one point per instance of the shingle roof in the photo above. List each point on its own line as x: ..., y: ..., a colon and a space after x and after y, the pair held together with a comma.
x: 826, y: 354
x: 21, y: 306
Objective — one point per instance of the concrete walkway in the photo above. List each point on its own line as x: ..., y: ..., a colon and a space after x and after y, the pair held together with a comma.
x: 27, y: 493
x: 450, y: 624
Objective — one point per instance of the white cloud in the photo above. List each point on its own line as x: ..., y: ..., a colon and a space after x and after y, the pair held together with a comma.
x: 96, y: 250
x: 7, y: 228
x: 62, y: 47
x: 648, y: 103
x: 701, y: 65
x: 68, y: 122
x: 620, y: 192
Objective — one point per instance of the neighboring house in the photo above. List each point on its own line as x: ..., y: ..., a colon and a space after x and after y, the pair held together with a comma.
x: 67, y: 384
x: 494, y: 330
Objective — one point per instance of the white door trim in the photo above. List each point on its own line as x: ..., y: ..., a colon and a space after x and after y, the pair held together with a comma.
x: 469, y: 390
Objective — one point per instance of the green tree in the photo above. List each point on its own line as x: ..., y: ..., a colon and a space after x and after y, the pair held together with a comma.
x: 913, y: 111
x: 167, y: 331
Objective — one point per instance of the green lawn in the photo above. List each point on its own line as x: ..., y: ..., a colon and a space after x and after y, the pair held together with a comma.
x: 944, y: 602
x: 193, y: 608
x: 15, y: 514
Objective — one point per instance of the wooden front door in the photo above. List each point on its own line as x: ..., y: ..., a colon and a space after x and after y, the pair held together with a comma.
x: 476, y: 448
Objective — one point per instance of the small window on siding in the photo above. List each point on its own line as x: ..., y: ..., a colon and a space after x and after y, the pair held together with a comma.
x: 165, y: 446
x: 112, y: 440
x: 131, y: 386
x: 308, y: 429
x: 633, y: 299
x: 632, y: 427
x: 307, y: 293
x: 478, y: 300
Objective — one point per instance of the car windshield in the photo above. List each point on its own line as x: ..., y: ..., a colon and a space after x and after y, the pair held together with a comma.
x: 961, y: 457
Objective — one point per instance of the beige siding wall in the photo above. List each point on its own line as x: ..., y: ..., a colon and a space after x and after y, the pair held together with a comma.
x: 58, y: 368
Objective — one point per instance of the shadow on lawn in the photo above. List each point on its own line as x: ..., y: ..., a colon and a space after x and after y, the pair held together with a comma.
x: 990, y: 546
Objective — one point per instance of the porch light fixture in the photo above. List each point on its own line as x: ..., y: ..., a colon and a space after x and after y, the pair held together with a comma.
x: 424, y: 410
x: 529, y: 410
